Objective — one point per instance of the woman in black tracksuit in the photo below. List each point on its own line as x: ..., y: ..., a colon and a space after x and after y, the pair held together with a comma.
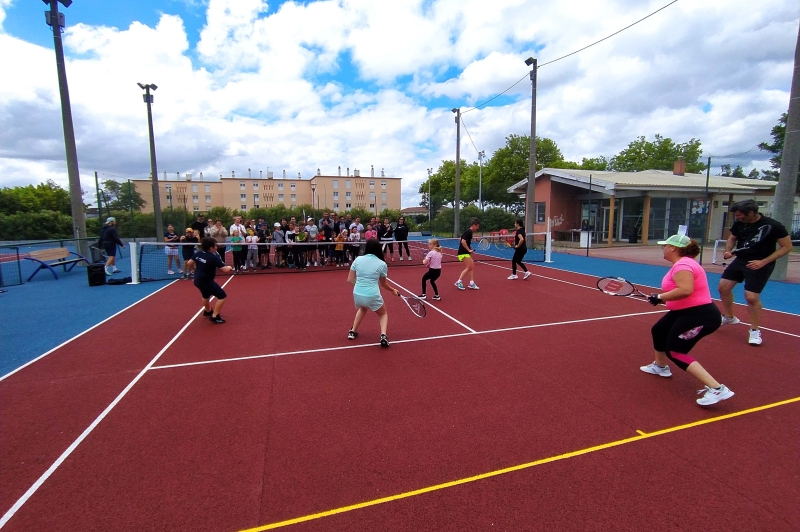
x: 401, y: 235
x: 520, y: 249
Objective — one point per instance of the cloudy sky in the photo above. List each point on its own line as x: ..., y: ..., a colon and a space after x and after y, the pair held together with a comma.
x: 301, y: 85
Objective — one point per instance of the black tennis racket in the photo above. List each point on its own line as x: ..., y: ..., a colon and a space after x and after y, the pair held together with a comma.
x: 617, y: 286
x: 415, y: 304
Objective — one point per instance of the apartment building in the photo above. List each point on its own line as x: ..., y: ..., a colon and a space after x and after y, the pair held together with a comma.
x: 337, y: 193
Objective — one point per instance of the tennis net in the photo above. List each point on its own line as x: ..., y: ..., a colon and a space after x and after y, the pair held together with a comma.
x: 156, y: 261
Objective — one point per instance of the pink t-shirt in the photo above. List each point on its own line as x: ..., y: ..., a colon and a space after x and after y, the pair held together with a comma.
x: 434, y: 259
x: 701, y: 294
x: 370, y: 234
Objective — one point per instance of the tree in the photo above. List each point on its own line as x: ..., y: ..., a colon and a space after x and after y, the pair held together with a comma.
x: 33, y: 199
x: 778, y: 134
x: 660, y: 154
x: 118, y: 196
x: 738, y: 172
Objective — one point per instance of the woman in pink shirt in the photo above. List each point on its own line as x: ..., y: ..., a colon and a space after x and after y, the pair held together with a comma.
x: 691, y: 316
x: 433, y: 260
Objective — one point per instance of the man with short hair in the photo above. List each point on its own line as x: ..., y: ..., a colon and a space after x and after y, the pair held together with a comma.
x: 205, y: 264
x: 199, y: 224
x: 752, y: 242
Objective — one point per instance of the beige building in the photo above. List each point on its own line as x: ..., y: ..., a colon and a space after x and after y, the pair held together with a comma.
x: 337, y: 193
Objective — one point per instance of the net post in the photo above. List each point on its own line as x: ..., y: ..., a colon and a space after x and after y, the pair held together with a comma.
x: 134, y: 262
x: 548, y: 241
x: 714, y: 257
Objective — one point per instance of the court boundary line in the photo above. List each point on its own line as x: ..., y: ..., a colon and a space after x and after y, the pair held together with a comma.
x: 406, y: 341
x: 571, y: 454
x: 88, y: 430
x: 10, y: 373
x: 433, y: 307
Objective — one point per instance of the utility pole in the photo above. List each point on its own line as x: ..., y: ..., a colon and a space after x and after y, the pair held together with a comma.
x: 99, y: 205
x: 530, y: 198
x: 57, y: 21
x: 481, y: 155
x: 430, y: 205
x: 148, y: 99
x: 790, y: 163
x: 457, y: 197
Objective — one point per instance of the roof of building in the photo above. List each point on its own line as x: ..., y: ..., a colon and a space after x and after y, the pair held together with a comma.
x: 414, y: 210
x: 610, y: 182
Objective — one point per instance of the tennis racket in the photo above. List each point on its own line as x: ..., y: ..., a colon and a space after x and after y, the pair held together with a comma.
x: 415, y: 304
x: 483, y: 244
x: 617, y: 286
x: 393, y: 225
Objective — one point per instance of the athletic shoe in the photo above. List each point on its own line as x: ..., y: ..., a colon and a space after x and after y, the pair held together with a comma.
x: 729, y: 321
x: 655, y: 369
x: 352, y: 335
x: 170, y: 272
x: 384, y: 341
x: 116, y: 271
x: 755, y: 337
x: 217, y: 319
x: 714, y: 395
x: 208, y: 313
x: 316, y: 263
x: 512, y: 276
x: 401, y: 258
x: 473, y: 286
x: 527, y: 274
x: 422, y: 296
x: 108, y: 272
x: 436, y: 298
x: 459, y: 285
x: 179, y: 271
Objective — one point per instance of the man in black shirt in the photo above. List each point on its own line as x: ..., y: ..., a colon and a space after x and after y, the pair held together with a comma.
x: 199, y: 225
x: 752, y: 242
x: 205, y: 264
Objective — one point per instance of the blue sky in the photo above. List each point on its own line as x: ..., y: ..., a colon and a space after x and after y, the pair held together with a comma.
x: 353, y: 83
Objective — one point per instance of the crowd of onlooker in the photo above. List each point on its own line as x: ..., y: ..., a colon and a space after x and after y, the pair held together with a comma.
x: 332, y: 240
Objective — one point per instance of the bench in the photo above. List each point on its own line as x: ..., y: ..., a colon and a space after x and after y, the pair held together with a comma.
x: 47, y: 258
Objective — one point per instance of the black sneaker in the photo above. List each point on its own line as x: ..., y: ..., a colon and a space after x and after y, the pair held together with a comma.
x: 208, y: 313
x: 384, y: 341
x: 421, y: 296
x: 436, y: 298
x: 352, y: 335
x: 217, y: 319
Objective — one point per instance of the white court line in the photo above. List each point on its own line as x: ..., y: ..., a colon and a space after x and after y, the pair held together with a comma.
x: 41, y: 480
x: 84, y: 332
x: 470, y: 329
x: 407, y: 341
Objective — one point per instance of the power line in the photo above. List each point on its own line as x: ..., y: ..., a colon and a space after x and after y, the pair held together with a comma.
x: 470, y: 136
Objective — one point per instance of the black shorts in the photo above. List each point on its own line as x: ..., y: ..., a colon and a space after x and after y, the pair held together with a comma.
x: 754, y: 280
x: 210, y: 288
x: 110, y: 249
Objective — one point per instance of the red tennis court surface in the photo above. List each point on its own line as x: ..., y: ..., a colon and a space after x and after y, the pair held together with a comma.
x: 517, y: 407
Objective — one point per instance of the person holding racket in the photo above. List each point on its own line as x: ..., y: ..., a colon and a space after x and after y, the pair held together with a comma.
x: 368, y: 275
x: 465, y: 252
x: 691, y: 316
x: 520, y: 249
x: 754, y: 237
x: 433, y: 260
x: 205, y: 264
x: 386, y: 234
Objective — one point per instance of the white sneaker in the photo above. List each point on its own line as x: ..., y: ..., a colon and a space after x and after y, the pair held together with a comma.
x: 116, y: 271
x: 316, y: 263
x: 755, y: 337
x: 655, y: 369
x: 729, y: 321
x: 108, y: 272
x: 459, y: 285
x: 527, y: 274
x: 712, y: 396
x: 512, y: 276
x: 401, y: 258
x: 473, y: 286
x: 170, y: 272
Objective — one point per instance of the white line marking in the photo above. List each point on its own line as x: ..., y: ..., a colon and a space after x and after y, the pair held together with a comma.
x: 82, y: 333
x: 433, y: 307
x: 409, y: 340
x: 41, y: 480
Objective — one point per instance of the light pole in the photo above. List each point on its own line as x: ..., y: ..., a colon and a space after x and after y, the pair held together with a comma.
x: 481, y: 155
x: 313, y: 197
x: 457, y: 196
x: 148, y: 99
x: 430, y: 223
x: 57, y: 21
x: 530, y: 199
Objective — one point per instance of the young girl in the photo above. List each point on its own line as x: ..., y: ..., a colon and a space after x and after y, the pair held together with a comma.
x: 370, y: 232
x: 236, y: 248
x: 188, y: 251
x: 433, y: 260
x: 252, y: 250
x: 339, y: 253
x: 355, y: 242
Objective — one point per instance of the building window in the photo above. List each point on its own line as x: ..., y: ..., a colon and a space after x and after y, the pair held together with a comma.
x: 372, y: 196
x: 383, y: 184
x: 196, y: 209
x: 346, y: 183
x: 255, y: 197
x: 195, y: 199
x: 293, y: 186
x: 335, y: 195
x: 383, y: 196
x: 335, y: 206
x: 541, y: 212
x: 244, y: 207
x: 372, y: 206
x: 208, y: 199
x: 335, y: 183
x: 294, y: 198
x: 242, y: 185
x: 194, y: 188
x: 372, y: 184
x: 256, y: 206
x: 383, y: 207
x: 208, y: 188
x: 255, y: 185
x: 347, y: 195
x: 280, y: 197
x: 280, y: 186
x: 169, y: 197
x: 243, y: 197
x: 347, y: 205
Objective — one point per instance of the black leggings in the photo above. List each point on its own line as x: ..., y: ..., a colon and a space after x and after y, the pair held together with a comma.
x: 400, y: 246
x: 678, y: 331
x: 431, y: 275
x: 519, y: 254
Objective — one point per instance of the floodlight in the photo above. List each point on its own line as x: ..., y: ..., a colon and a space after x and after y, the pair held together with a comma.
x: 529, y: 61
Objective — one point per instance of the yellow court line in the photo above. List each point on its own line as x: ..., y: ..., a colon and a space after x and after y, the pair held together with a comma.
x: 490, y: 474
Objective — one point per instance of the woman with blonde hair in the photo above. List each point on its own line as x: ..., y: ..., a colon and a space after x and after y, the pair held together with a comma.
x: 433, y: 260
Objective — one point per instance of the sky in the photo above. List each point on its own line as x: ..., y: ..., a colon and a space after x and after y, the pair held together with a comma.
x: 306, y: 85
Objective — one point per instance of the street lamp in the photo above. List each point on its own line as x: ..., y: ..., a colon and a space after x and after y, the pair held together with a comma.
x: 457, y: 197
x: 313, y: 197
x: 481, y: 155
x: 57, y: 21
x: 430, y: 171
x: 148, y: 99
x: 530, y: 199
